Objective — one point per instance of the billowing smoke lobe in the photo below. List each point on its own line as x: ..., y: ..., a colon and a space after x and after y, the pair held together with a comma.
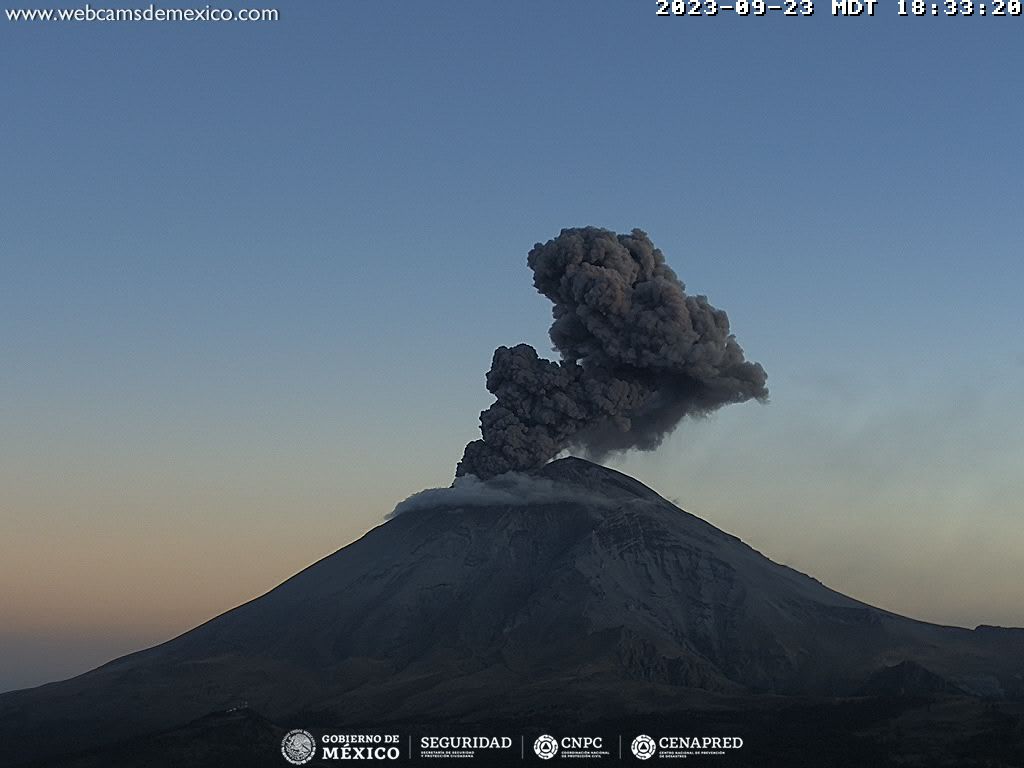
x: 638, y: 355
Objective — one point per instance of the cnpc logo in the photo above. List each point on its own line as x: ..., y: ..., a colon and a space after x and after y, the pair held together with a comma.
x: 547, y: 746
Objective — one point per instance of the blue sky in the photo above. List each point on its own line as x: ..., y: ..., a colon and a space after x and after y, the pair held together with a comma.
x: 252, y: 276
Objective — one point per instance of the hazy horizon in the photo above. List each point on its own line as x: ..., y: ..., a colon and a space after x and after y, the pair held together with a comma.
x: 253, y: 276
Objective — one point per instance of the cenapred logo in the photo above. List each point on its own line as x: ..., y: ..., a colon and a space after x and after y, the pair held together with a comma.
x: 546, y: 747
x: 298, y: 746
x: 643, y: 746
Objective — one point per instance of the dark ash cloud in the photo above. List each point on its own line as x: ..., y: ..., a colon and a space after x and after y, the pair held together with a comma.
x: 637, y: 355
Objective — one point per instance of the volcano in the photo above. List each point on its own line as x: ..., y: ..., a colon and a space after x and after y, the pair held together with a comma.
x: 605, y: 601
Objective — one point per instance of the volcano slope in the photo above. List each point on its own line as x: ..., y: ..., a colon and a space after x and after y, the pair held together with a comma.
x: 603, y: 603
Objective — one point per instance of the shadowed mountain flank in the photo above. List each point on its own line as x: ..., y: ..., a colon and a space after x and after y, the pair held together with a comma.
x: 607, y: 602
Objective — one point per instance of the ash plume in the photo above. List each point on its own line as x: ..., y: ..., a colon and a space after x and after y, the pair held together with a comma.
x: 637, y: 355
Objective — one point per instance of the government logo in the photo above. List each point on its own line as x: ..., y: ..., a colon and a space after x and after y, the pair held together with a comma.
x: 643, y: 747
x: 546, y: 747
x: 298, y: 746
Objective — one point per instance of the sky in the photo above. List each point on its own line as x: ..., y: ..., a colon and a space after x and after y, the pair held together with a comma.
x: 252, y: 275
